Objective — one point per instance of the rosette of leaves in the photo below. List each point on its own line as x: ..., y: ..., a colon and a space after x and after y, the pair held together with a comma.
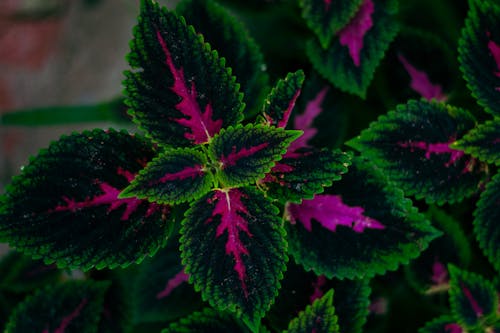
x: 104, y: 199
x: 474, y: 305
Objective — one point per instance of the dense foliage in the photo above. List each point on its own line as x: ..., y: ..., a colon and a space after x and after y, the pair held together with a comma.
x: 239, y: 206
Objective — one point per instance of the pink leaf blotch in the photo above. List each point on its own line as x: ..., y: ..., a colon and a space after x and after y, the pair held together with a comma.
x: 318, y: 288
x: 453, y: 328
x: 473, y: 302
x: 173, y: 283
x: 232, y: 158
x: 66, y: 321
x: 439, y: 273
x: 230, y: 208
x: 201, y: 125
x: 435, y: 148
x: 329, y: 211
x: 109, y: 197
x: 286, y: 115
x: 495, y: 52
x: 353, y: 33
x: 305, y: 121
x: 421, y: 83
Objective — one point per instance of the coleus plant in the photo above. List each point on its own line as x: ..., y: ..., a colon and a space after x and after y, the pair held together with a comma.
x: 223, y: 181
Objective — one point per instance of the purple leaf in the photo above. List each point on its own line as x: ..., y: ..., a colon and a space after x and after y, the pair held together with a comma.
x: 436, y: 148
x: 173, y: 283
x: 305, y: 121
x: 439, y: 273
x: 318, y: 288
x: 109, y: 197
x: 66, y: 321
x: 495, y: 52
x: 231, y: 211
x: 421, y: 83
x: 352, y: 35
x: 200, y: 123
x: 329, y: 211
x: 453, y: 328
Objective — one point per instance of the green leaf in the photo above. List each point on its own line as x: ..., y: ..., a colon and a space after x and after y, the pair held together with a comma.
x: 279, y: 104
x: 327, y: 17
x: 207, y: 321
x: 412, y: 146
x: 479, y: 54
x: 227, y: 34
x: 74, y: 306
x: 179, y: 90
x: 304, y: 173
x: 352, y: 71
x: 352, y: 301
x: 482, y: 142
x: 175, y: 176
x: 347, y: 235
x: 161, y: 290
x: 319, y: 317
x: 486, y: 226
x: 443, y: 324
x: 233, y: 245
x: 473, y: 299
x: 64, y: 206
x: 246, y: 153
x: 19, y: 274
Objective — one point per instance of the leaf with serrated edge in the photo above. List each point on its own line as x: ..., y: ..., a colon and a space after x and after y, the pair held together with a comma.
x: 473, y: 299
x: 350, y: 61
x: 443, y: 324
x: 412, y: 146
x: 207, y: 321
x: 234, y: 249
x: 302, y: 174
x: 279, y: 104
x: 342, y: 234
x: 246, y: 153
x: 228, y: 35
x: 486, y: 226
x: 73, y: 306
x: 178, y: 90
x: 64, y: 206
x: 479, y: 54
x: 175, y: 176
x: 318, y: 317
x: 327, y: 17
x: 482, y: 142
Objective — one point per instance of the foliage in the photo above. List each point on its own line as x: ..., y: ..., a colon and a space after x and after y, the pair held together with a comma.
x: 233, y: 205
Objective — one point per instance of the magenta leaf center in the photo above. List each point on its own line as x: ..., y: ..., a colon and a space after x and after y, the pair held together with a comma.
x: 66, y: 321
x: 202, y: 126
x: 473, y: 302
x: 232, y: 158
x: 353, y: 33
x: 329, y: 211
x: 421, y: 83
x: 435, y: 148
x: 173, y: 283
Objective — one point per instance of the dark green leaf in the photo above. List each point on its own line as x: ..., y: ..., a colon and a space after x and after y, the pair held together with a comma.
x: 64, y: 207
x: 18, y: 273
x: 327, y: 17
x: 304, y: 173
x: 486, y: 226
x: 412, y: 146
x: 347, y: 235
x: 72, y: 307
x: 175, y: 176
x: 319, y: 317
x: 246, y: 154
x: 233, y: 245
x: 479, y: 53
x: 162, y: 291
x: 230, y: 38
x: 352, y: 70
x: 352, y: 301
x: 473, y: 299
x: 279, y: 104
x: 482, y: 142
x: 178, y: 89
x: 207, y: 321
